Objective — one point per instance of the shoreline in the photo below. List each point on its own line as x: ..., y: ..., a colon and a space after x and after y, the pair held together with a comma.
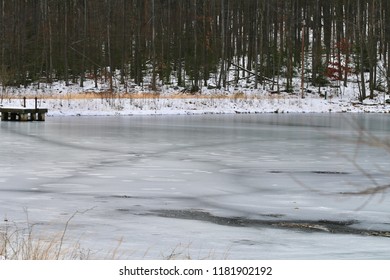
x: 197, y: 105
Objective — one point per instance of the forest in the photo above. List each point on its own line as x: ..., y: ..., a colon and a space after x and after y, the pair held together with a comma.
x: 185, y: 42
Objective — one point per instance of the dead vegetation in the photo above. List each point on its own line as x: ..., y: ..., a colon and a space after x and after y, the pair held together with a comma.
x: 23, y: 242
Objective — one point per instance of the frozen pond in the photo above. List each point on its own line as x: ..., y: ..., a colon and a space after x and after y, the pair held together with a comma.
x: 309, y: 186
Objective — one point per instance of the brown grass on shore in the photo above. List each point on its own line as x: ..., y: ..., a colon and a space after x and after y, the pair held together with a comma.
x: 23, y: 244
x: 239, y: 95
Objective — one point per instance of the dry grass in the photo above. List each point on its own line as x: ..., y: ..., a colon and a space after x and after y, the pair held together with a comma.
x: 185, y: 252
x: 24, y: 244
x: 143, y: 95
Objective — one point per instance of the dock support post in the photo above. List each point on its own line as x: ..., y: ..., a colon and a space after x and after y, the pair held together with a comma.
x: 4, y: 116
x: 23, y: 117
x: 13, y: 116
x: 41, y: 117
x: 24, y: 102
x: 33, y: 116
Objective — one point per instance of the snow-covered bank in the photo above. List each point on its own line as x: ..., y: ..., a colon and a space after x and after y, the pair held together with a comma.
x: 97, y: 100
x: 198, y: 105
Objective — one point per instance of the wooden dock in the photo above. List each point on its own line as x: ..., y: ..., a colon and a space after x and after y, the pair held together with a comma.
x: 23, y: 114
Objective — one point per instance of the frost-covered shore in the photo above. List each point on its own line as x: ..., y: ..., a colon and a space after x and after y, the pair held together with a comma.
x: 62, y: 106
x: 72, y: 100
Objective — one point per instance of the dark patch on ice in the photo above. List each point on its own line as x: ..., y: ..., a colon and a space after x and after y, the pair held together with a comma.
x: 131, y: 197
x: 123, y: 210
x: 36, y: 191
x: 330, y: 172
x: 329, y: 226
x: 338, y: 223
x: 320, y: 172
x: 245, y: 242
x: 124, y: 196
x: 272, y: 215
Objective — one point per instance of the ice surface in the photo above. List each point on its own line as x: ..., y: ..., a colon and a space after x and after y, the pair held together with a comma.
x: 238, y: 187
